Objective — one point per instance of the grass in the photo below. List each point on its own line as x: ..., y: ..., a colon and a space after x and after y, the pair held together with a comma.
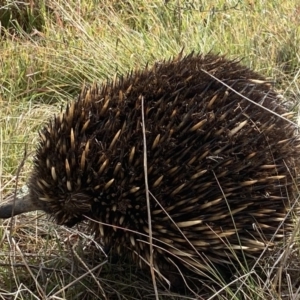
x: 49, y: 49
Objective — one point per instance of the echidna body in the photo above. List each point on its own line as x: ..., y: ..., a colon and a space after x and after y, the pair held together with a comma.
x: 221, y: 168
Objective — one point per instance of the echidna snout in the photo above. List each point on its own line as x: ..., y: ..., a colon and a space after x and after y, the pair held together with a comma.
x: 221, y: 168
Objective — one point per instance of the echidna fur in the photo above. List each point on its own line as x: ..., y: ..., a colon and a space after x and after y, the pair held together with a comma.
x: 222, y: 169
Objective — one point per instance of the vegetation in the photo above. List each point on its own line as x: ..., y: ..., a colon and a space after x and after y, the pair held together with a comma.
x: 48, y: 50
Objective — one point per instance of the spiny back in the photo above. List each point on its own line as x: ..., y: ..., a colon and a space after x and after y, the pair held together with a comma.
x: 220, y: 167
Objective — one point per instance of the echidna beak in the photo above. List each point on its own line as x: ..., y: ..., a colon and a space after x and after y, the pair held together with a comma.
x: 16, y: 204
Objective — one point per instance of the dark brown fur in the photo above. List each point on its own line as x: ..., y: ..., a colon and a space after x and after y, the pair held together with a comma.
x: 220, y: 167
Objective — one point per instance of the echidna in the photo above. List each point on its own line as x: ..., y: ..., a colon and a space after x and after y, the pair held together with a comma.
x: 221, y: 163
